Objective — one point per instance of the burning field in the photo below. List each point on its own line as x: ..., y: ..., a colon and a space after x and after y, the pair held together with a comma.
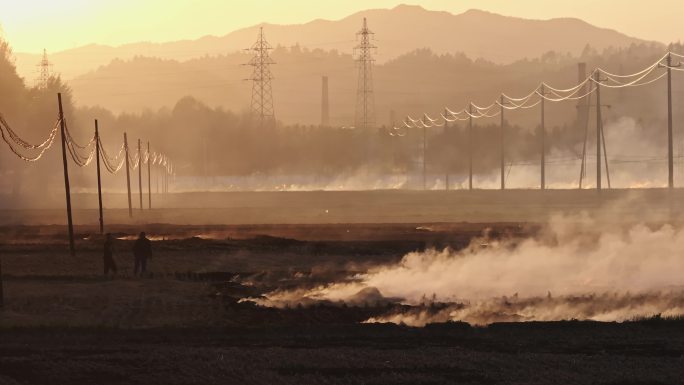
x: 306, y: 303
x: 572, y: 268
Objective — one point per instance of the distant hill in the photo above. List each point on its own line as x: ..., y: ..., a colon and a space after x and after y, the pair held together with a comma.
x: 478, y: 34
x: 416, y: 82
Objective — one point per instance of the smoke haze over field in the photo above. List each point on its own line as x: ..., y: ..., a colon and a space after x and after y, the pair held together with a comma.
x: 585, y: 267
x: 341, y: 191
x: 195, y: 110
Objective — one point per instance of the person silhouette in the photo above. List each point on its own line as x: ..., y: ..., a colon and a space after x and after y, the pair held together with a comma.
x: 109, y: 264
x: 142, y: 249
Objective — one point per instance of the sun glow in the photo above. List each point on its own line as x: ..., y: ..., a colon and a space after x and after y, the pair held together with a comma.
x: 31, y: 25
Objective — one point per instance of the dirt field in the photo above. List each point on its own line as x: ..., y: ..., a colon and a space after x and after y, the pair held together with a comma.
x: 559, y: 353
x: 184, y: 323
x: 325, y: 207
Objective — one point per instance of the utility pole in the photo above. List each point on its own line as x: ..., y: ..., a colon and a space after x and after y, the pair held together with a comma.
x: 166, y: 177
x: 140, y: 163
x: 583, y: 106
x: 583, y: 170
x: 205, y: 161
x: 2, y: 292
x: 67, y: 188
x: 128, y: 177
x: 670, y: 150
x: 149, y: 177
x: 543, y: 140
x: 605, y: 156
x: 470, y: 147
x: 99, y: 180
x: 599, y: 127
x: 583, y: 166
x: 170, y: 175
x: 501, y: 135
x: 365, y: 101
x: 446, y: 133
x: 162, y: 171
x: 424, y: 156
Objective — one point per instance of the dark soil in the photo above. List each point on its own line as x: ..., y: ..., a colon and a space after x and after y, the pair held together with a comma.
x: 63, y: 323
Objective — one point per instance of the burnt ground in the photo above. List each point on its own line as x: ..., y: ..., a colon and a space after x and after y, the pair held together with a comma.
x: 649, y: 352
x: 63, y: 323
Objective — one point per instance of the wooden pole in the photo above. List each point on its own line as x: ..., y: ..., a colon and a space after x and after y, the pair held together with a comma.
x: 501, y: 135
x: 140, y: 163
x: 470, y: 147
x: 605, y: 156
x: 424, y: 157
x: 583, y: 166
x: 128, y: 177
x: 2, y: 292
x: 99, y: 180
x: 165, y: 178
x: 168, y: 177
x: 149, y: 177
x: 446, y: 168
x: 543, y: 141
x: 67, y: 187
x: 163, y: 172
x: 599, y: 123
x: 583, y: 116
x: 670, y: 151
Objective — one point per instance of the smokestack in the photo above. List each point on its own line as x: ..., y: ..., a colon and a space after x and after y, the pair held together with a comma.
x: 325, y: 107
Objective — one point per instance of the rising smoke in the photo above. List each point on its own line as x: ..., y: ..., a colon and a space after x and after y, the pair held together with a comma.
x: 636, y: 159
x: 577, y: 267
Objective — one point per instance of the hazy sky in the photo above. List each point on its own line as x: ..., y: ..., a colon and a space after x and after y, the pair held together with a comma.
x: 31, y: 25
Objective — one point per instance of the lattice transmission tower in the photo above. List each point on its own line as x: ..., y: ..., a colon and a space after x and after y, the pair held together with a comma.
x: 262, y: 95
x: 365, y: 100
x: 44, y: 72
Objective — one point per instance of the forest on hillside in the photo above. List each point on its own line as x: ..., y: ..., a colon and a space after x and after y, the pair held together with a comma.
x: 206, y: 139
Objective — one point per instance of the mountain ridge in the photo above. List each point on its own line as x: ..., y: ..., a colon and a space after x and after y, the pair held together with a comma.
x: 398, y: 30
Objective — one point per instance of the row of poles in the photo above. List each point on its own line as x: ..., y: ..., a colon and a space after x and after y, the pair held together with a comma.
x: 67, y: 142
x: 600, y: 138
x: 165, y: 177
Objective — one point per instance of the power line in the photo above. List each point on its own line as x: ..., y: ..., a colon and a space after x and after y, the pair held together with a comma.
x: 640, y: 78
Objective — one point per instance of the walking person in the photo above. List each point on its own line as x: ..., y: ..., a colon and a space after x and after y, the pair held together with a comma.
x: 109, y: 264
x: 142, y: 249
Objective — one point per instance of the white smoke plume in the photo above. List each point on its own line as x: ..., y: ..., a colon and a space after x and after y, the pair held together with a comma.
x: 636, y: 156
x: 577, y: 267
x: 357, y: 180
x: 607, y: 306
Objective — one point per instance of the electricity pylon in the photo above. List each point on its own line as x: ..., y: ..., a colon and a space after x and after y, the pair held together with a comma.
x: 365, y: 101
x: 44, y: 71
x: 262, y: 96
